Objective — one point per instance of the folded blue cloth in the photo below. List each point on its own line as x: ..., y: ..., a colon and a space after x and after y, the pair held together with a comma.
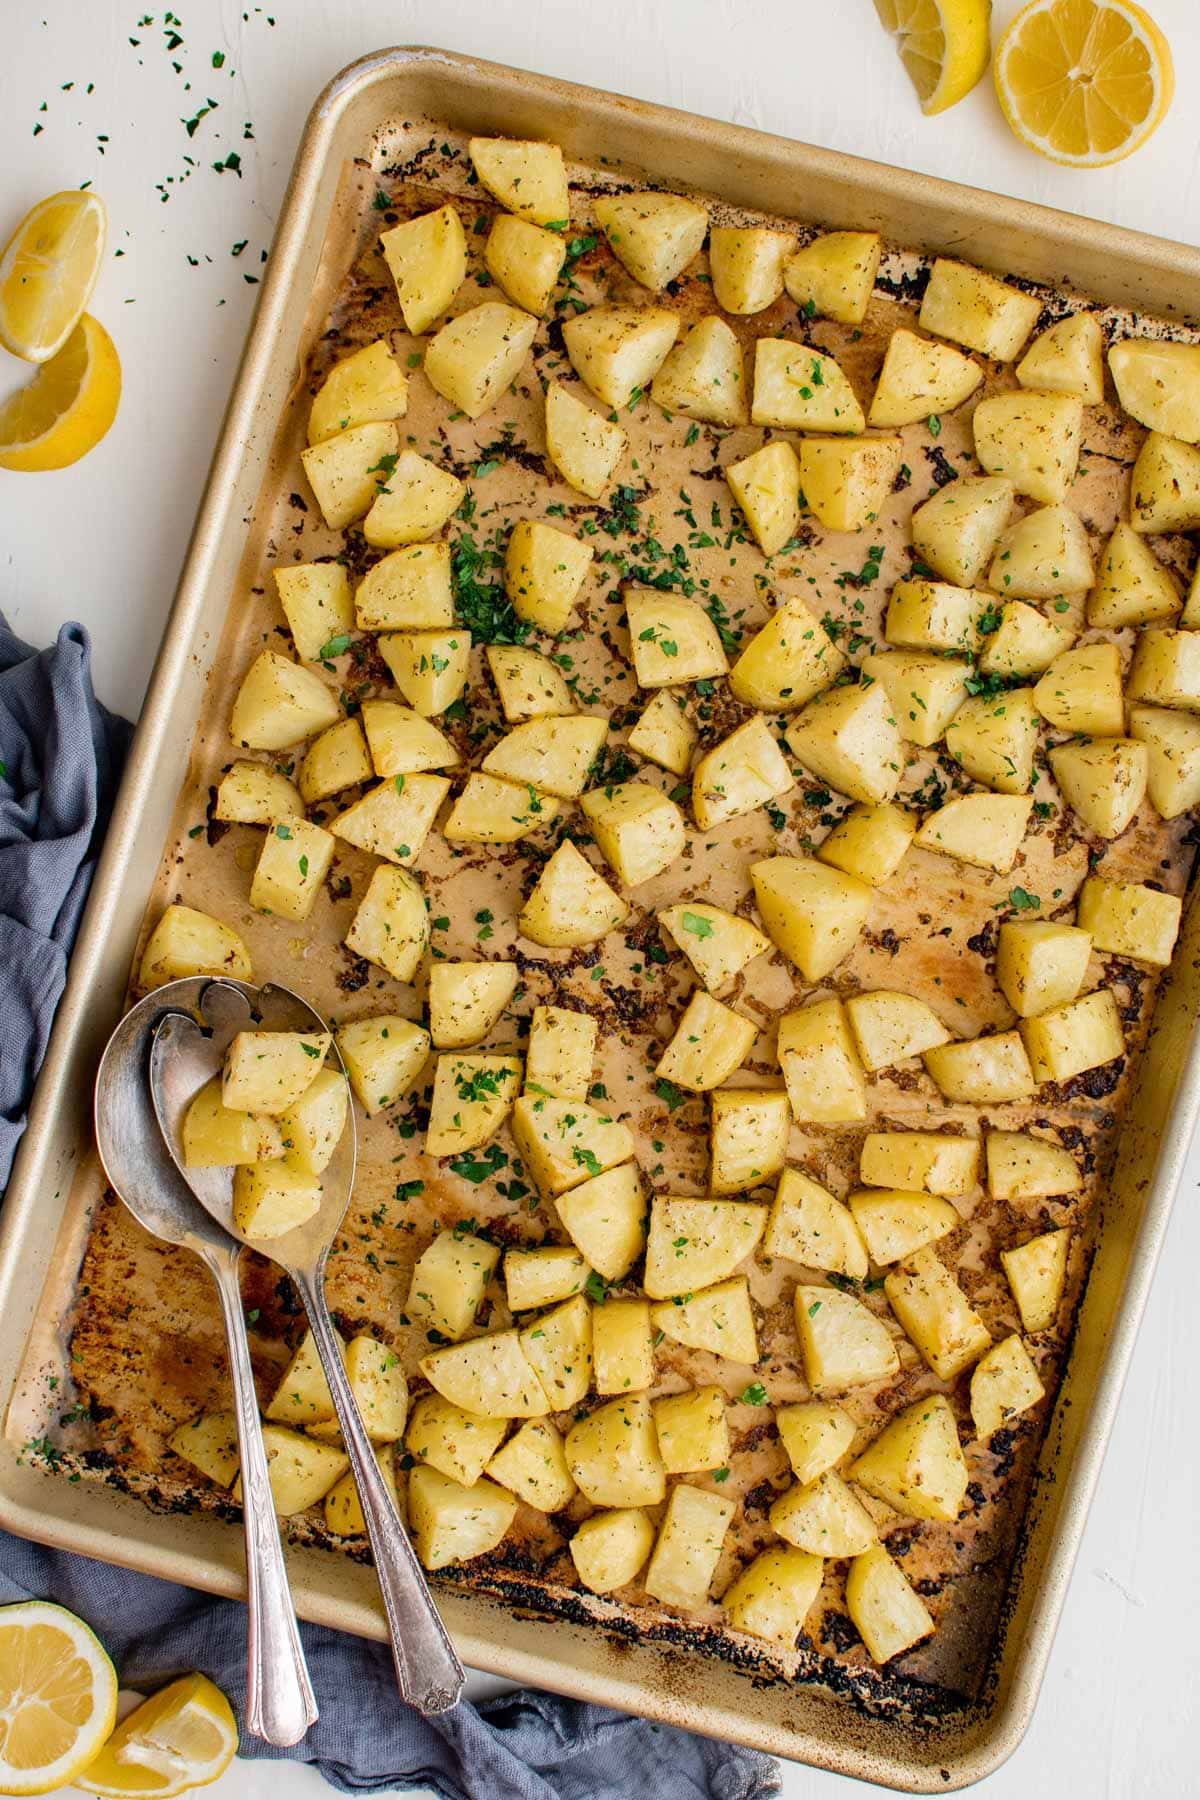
x: 60, y: 757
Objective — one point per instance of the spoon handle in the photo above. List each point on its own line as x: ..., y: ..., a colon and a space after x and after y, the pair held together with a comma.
x: 428, y: 1672
x: 280, y: 1705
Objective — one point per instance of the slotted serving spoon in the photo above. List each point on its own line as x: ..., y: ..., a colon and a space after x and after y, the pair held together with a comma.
x: 280, y: 1705
x: 184, y: 1056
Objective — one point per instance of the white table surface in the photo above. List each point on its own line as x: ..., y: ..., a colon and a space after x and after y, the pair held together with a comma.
x: 103, y: 543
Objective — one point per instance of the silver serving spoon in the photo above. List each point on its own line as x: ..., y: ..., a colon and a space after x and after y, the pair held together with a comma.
x: 280, y: 1705
x: 184, y: 1056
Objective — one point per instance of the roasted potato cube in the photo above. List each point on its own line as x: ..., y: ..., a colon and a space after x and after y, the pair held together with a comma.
x: 563, y: 1142
x: 280, y: 704
x: 1165, y: 670
x: 1037, y: 1272
x: 956, y: 530
x: 834, y: 275
x: 406, y: 590
x: 920, y: 379
x: 609, y: 1549
x: 560, y: 1053
x: 613, y: 1454
x: 1172, y: 741
x: 936, y: 1314
x: 655, y: 236
x: 766, y: 485
x: 709, y: 1043
x: 664, y: 734
x: 391, y: 926
x: 1032, y: 439
x: 378, y: 1384
x: 934, y: 615
x: 774, y: 1594
x: 428, y: 260
x: 472, y: 1097
x: 291, y: 868
x: 336, y: 760
x: 842, y: 1343
x: 527, y: 683
x: 826, y: 1518
x: 849, y: 737
x: 343, y: 1510
x: 1104, y: 781
x: 384, y: 1057
x: 622, y: 1353
x: 895, y: 1225
x: 985, y: 830
x: 718, y: 944
x: 1132, y: 586
x: 889, y: 1614
x: 891, y: 1027
x: 570, y: 903
x: 846, y: 481
x: 544, y: 569
x: 250, y: 793
x: 584, y: 447
x: 797, y: 388
x: 466, y: 999
x: 816, y: 1435
x: 992, y: 737
x: 747, y: 266
x: 924, y: 692
x: 916, y: 1464
x: 787, y: 662
x: 300, y: 1471
x: 302, y: 1395
x: 748, y: 1144
x: 1067, y: 358
x: 270, y: 1199
x: 429, y: 667
x: 1164, y: 492
x: 533, y: 1465
x: 1004, y: 1383
x: 526, y: 177
x: 1081, y: 1034
x: 1127, y: 918
x: 451, y: 1523
x: 492, y: 811
x: 692, y: 1433
x: 394, y: 818
x: 824, y: 1078
x: 210, y: 1444
x: 267, y: 1071
x: 365, y: 387
x: 869, y: 842
x: 696, y: 1243
x: 314, y: 1125
x: 524, y: 260
x: 1025, y: 642
x: 1043, y: 556
x: 982, y: 1071
x: 744, y: 771
x: 637, y: 829
x: 807, y: 1225
x: 689, y: 1544
x: 553, y: 755
x: 216, y: 1137
x: 930, y: 1162
x: 1040, y: 963
x: 413, y: 501
x: 1158, y: 384
x: 968, y: 307
x: 616, y: 351
x: 704, y: 376
x: 316, y: 603
x: 719, y: 1319
x: 604, y: 1217
x: 488, y: 1375
x: 449, y: 1280
x: 558, y: 1346
x: 1081, y: 691
x: 346, y: 472
x: 812, y: 913
x: 672, y: 639
x: 1023, y: 1167
x: 543, y: 1277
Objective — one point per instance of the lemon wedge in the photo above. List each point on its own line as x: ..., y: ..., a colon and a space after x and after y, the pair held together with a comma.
x: 58, y: 1697
x: 67, y: 407
x: 944, y: 45
x: 47, y: 273
x: 182, y: 1737
x: 1084, y: 82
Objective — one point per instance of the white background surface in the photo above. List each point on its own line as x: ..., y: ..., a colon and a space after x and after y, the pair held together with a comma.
x: 103, y: 542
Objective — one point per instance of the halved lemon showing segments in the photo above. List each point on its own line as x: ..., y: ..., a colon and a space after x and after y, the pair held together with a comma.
x: 58, y: 1697
x: 47, y: 273
x: 181, y: 1738
x: 944, y: 45
x: 1084, y: 81
x: 68, y: 406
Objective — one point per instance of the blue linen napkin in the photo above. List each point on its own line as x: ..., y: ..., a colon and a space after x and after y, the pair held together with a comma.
x: 60, y: 760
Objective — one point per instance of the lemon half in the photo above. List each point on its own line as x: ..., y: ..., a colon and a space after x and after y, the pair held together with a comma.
x: 58, y: 1697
